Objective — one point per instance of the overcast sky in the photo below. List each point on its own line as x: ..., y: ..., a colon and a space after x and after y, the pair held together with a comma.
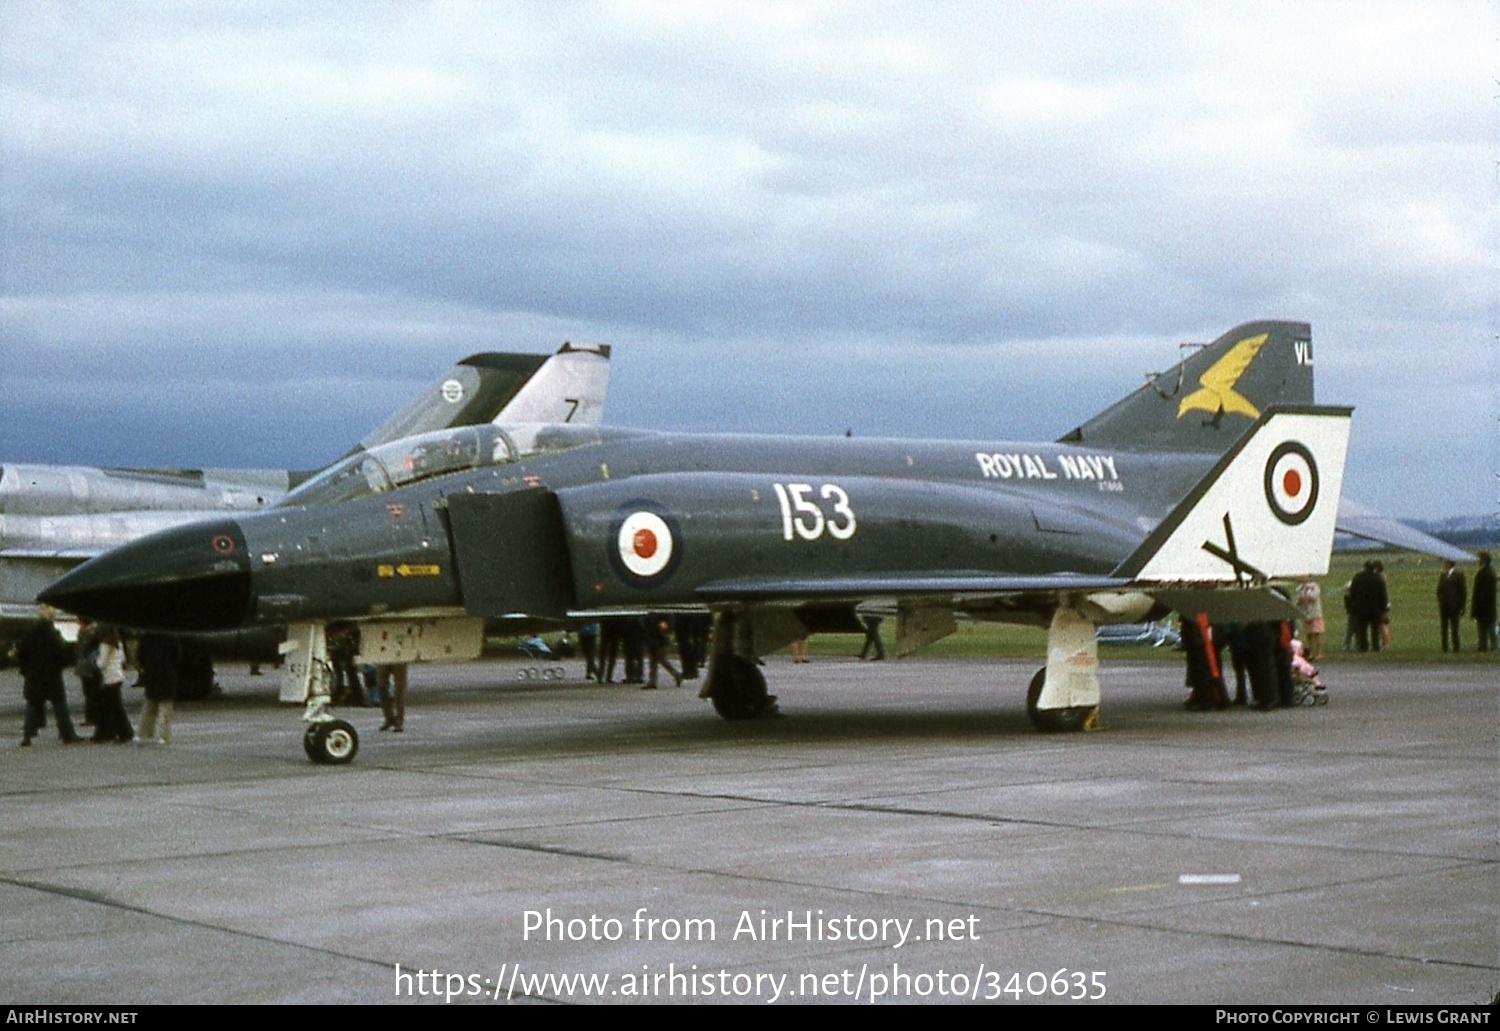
x: 243, y: 234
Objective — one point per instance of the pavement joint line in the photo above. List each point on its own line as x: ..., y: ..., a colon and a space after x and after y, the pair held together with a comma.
x: 385, y: 833
x: 1133, y: 828
x: 1348, y: 950
x: 1042, y: 913
x: 99, y: 899
x: 551, y: 850
x: 1221, y: 892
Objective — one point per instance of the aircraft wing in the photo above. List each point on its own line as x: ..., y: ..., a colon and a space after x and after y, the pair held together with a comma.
x: 23, y: 573
x: 73, y: 555
x: 1366, y: 523
x: 834, y: 589
x: 1016, y: 598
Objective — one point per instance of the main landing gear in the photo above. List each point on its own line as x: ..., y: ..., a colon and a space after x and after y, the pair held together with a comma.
x: 1056, y: 721
x: 737, y: 689
x: 735, y: 683
x: 1064, y: 694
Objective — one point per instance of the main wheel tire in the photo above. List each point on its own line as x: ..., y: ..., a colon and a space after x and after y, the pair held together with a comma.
x: 1054, y: 721
x: 738, y: 691
x: 333, y: 743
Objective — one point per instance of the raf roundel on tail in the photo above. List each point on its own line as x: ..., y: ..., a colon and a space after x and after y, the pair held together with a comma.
x: 1292, y: 482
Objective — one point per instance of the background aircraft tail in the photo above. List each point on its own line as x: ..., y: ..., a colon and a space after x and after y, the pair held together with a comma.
x: 470, y: 393
x: 568, y: 386
x: 1209, y: 400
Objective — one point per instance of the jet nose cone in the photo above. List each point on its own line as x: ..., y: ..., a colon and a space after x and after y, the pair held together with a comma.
x: 185, y: 580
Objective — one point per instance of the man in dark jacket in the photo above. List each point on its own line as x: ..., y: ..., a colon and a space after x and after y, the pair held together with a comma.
x: 1368, y: 600
x: 158, y: 656
x: 1483, y: 606
x: 1452, y: 599
x: 43, y: 655
x: 86, y: 668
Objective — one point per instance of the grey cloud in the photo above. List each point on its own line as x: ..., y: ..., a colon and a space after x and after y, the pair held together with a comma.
x: 731, y: 194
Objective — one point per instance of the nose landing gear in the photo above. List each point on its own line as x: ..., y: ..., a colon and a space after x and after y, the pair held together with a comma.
x: 306, y: 678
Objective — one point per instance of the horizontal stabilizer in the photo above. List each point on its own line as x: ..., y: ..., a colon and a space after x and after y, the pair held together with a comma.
x: 1253, y: 605
x: 1359, y: 521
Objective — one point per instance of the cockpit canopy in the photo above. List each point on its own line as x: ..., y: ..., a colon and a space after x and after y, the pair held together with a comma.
x: 438, y: 453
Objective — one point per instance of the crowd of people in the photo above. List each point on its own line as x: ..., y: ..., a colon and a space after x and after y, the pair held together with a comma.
x: 99, y: 661
x: 1272, y: 666
x: 1278, y: 659
x: 1367, y: 606
x: 640, y: 646
x: 1274, y: 663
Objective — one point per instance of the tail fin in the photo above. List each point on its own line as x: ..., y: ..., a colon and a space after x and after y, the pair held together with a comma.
x: 570, y: 387
x: 567, y: 386
x: 1266, y: 510
x: 1209, y: 400
x: 469, y: 394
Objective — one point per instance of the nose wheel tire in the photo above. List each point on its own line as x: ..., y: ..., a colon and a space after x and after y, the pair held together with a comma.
x: 330, y: 743
x: 1054, y: 721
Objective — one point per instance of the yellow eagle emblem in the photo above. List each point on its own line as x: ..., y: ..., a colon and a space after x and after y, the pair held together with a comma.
x: 1216, y: 391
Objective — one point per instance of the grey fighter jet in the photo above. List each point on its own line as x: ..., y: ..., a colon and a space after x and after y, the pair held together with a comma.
x: 1195, y: 493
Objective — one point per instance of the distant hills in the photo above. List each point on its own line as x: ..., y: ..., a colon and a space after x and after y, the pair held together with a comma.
x: 1475, y: 531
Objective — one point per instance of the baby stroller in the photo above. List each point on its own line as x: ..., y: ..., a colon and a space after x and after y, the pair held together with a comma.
x: 1307, y: 682
x: 535, y: 648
